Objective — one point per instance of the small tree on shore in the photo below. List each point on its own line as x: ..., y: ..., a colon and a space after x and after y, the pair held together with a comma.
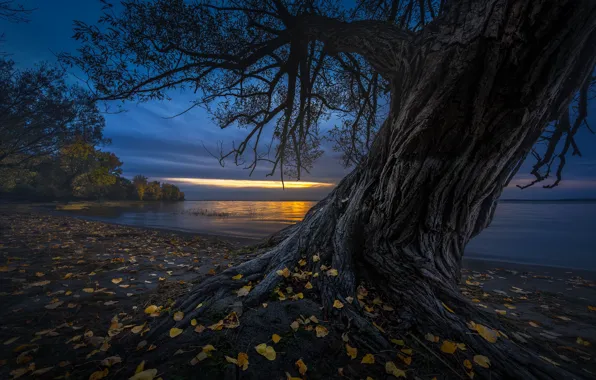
x: 440, y: 102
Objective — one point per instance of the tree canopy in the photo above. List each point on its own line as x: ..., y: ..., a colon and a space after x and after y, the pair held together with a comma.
x: 281, y: 69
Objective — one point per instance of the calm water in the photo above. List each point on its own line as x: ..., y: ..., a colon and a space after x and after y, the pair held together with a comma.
x: 547, y: 233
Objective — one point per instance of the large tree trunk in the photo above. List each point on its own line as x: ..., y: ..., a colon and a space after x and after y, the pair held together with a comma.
x: 467, y: 106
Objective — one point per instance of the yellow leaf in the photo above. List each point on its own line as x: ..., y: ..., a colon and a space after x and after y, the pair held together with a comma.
x: 193, y: 322
x: 391, y: 369
x: 283, y: 272
x: 231, y: 360
x: 332, y: 272
x: 509, y: 306
x: 448, y: 347
x: 368, y: 359
x: 378, y: 327
x: 321, y: 331
x: 208, y: 348
x: 431, y: 338
x: 275, y: 338
x: 178, y: 316
x: 237, y: 277
x: 67, y: 276
x: 99, y: 374
x: 302, y: 262
x: 592, y: 308
x: 351, y: 351
x: 11, y: 340
x: 405, y: 359
x: 486, y: 332
x: 266, y: 351
x: 148, y: 374
x: 399, y: 342
x: 174, y: 332
x: 243, y: 291
x: 582, y: 342
x: 468, y: 364
x: 308, y: 285
x: 218, y: 326
x: 500, y: 312
x: 88, y: 290
x: 302, y: 368
x: 315, y: 258
x: 337, y: 304
x: 407, y: 351
x: 199, y: 329
x: 117, y: 280
x: 313, y: 319
x: 151, y: 309
x: 39, y: 274
x: 290, y: 377
x: 243, y: 360
x: 482, y: 361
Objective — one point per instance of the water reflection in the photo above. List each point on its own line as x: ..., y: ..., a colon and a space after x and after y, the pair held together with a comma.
x: 550, y: 233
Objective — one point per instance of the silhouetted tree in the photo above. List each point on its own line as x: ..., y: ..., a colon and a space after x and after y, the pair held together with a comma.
x: 40, y: 113
x: 440, y: 102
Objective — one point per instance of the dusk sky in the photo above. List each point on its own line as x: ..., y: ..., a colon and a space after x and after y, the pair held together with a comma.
x: 150, y: 143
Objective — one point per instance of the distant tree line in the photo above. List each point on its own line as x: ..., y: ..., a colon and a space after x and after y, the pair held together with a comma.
x: 50, y: 134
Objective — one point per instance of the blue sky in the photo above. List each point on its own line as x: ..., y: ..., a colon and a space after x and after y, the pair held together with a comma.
x: 150, y: 143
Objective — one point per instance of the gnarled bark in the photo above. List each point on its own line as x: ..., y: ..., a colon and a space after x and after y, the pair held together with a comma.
x: 467, y: 106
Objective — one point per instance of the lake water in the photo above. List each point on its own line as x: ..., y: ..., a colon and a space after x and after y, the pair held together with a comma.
x: 557, y: 233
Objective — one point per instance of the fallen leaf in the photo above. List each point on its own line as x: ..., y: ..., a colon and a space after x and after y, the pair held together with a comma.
x: 351, y: 351
x: 337, y: 304
x: 391, y: 369
x: 199, y: 329
x: 431, y: 338
x: 468, y: 364
x: 117, y: 280
x: 295, y: 325
x: 486, y: 332
x: 243, y: 360
x: 11, y: 340
x: 89, y: 290
x: 237, y: 277
x: 174, y: 332
x: 151, y: 309
x: 407, y: 351
x: 302, y: 368
x: 315, y: 258
x: 267, y: 351
x: 308, y: 285
x: 447, y: 308
x: 148, y: 374
x: 482, y: 361
x: 321, y: 331
x: 332, y: 272
x: 448, y: 347
x: 368, y: 359
x: 41, y: 371
x: 275, y: 338
x: 283, y: 272
x: 99, y: 374
x: 110, y: 361
x: 243, y: 291
x: 582, y: 342
x: 178, y: 316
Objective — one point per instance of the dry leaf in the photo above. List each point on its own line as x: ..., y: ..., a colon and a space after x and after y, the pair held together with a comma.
x: 266, y: 351
x: 116, y: 280
x: 11, y: 340
x: 391, y: 369
x: 486, y: 332
x: 99, y: 374
x: 148, y: 374
x: 431, y: 338
x: 302, y: 368
x: 243, y: 360
x: 351, y: 351
x: 337, y: 304
x: 368, y: 359
x: 237, y: 277
x: 174, y: 332
x: 243, y: 291
x: 178, y: 316
x: 88, y: 290
x: 448, y: 347
x: 321, y: 331
x: 332, y: 272
x: 283, y: 272
x: 151, y: 309
x: 468, y: 364
x: 275, y: 338
x: 482, y: 361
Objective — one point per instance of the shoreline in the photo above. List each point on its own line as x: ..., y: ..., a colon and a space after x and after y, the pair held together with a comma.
x: 473, y: 263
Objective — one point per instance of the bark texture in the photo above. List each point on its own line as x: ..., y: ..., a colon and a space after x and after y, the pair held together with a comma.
x: 470, y: 97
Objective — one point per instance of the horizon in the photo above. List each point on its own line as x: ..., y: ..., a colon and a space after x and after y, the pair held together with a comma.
x: 151, y: 143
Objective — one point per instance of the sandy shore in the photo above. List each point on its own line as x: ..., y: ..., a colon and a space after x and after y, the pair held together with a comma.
x: 58, y: 273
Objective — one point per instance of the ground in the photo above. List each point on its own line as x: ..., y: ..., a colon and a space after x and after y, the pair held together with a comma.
x: 76, y: 297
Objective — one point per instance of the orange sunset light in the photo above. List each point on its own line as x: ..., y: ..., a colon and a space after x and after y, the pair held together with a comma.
x: 237, y: 183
